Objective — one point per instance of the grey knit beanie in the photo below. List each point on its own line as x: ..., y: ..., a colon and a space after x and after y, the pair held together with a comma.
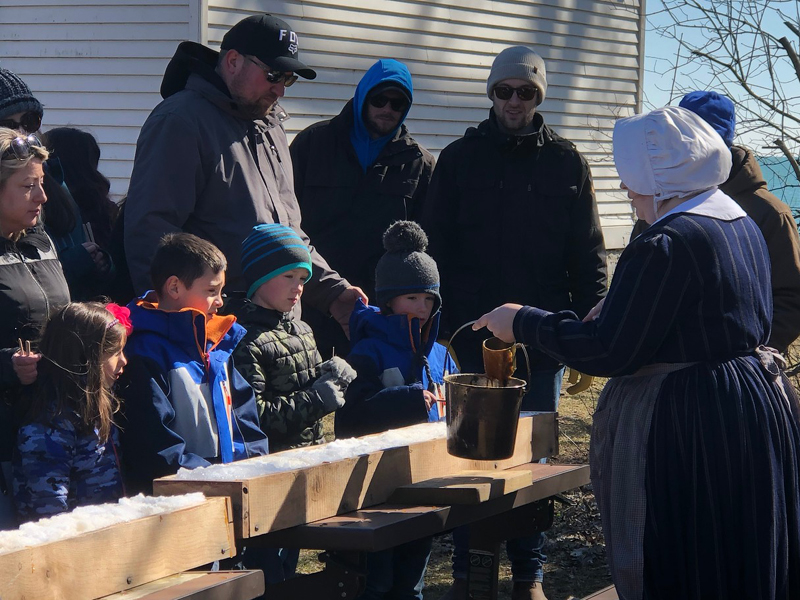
x: 405, y: 268
x: 519, y: 62
x: 15, y: 96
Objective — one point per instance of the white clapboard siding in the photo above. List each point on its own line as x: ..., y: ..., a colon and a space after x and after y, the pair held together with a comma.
x: 591, y: 49
x: 97, y: 65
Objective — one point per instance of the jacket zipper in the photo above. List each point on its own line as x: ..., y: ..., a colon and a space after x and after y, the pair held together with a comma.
x: 39, y: 285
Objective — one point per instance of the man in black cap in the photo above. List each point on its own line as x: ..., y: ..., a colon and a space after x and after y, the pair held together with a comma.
x: 361, y: 167
x: 212, y: 159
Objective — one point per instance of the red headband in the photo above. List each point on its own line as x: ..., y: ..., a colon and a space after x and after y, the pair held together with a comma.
x: 122, y: 316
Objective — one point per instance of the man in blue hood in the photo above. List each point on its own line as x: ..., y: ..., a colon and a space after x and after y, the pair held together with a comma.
x: 360, y: 169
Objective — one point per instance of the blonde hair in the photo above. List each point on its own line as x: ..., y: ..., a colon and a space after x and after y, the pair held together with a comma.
x: 9, y: 163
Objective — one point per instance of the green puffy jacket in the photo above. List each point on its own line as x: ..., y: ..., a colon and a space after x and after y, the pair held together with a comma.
x: 278, y: 357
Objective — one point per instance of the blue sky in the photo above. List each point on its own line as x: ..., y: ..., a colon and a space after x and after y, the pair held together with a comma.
x: 660, y: 53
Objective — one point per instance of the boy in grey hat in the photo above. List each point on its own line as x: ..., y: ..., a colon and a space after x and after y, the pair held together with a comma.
x: 526, y: 230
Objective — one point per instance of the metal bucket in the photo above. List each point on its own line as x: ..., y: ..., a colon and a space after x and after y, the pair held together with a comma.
x: 481, y: 416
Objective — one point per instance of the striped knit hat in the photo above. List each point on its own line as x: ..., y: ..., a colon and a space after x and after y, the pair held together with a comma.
x: 16, y: 96
x: 269, y: 250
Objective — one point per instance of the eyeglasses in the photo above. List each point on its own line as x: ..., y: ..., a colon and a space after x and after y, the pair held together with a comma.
x: 30, y: 122
x: 397, y: 104
x: 21, y: 147
x: 275, y: 76
x: 524, y: 93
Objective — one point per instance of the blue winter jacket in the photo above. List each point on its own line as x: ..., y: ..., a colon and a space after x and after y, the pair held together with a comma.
x: 389, y: 353
x: 181, y: 407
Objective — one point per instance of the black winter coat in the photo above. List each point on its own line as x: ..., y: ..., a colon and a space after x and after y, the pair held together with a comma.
x: 32, y: 287
x: 345, y: 210
x: 514, y: 219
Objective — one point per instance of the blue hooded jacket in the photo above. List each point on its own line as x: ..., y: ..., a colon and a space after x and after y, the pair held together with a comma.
x: 387, y: 354
x: 383, y: 71
x: 185, y: 405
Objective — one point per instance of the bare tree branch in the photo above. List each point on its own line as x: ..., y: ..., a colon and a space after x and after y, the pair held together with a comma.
x: 731, y: 46
x: 788, y: 154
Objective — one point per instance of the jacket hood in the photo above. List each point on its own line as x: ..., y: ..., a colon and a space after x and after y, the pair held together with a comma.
x: 386, y: 70
x: 746, y: 174
x: 189, y: 328
x: 403, y: 331
x: 191, y: 57
x: 193, y: 67
x: 34, y: 237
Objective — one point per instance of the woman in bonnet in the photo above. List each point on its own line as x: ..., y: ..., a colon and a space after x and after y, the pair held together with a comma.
x: 695, y: 450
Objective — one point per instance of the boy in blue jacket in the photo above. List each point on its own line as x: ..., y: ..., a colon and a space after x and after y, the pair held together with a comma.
x: 184, y: 403
x: 400, y: 373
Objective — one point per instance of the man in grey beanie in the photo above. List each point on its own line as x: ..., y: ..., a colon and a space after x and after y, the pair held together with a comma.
x: 511, y: 217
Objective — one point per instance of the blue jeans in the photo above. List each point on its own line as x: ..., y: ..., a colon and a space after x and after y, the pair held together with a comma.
x: 278, y: 564
x: 398, y: 573
x: 525, y: 553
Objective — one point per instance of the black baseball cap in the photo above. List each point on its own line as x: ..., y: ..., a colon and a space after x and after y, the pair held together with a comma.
x: 269, y: 39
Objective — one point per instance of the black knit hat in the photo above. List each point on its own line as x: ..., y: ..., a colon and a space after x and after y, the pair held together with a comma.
x: 405, y: 268
x: 269, y: 250
x: 15, y: 96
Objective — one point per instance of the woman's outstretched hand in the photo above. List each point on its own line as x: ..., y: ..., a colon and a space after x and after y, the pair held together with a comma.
x: 500, y: 321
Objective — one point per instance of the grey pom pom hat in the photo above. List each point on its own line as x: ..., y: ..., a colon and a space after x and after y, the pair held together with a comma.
x: 405, y: 268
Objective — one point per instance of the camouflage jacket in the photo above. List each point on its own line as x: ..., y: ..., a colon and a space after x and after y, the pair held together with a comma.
x: 56, y: 467
x: 278, y: 357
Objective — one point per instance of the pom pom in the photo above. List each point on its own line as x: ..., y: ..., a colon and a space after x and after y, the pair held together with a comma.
x: 405, y: 236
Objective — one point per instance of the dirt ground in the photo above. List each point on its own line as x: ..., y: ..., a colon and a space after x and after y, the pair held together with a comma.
x: 576, y: 564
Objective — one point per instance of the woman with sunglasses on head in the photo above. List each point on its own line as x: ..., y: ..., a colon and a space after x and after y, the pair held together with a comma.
x: 32, y: 285
x: 87, y: 267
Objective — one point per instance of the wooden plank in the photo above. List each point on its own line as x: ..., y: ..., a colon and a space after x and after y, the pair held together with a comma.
x: 386, y: 525
x: 467, y: 487
x: 198, y: 585
x: 131, y: 554
x: 281, y: 500
x: 609, y: 593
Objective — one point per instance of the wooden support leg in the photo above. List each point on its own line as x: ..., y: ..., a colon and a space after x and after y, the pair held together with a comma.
x: 485, y: 539
x: 483, y: 570
x: 343, y: 577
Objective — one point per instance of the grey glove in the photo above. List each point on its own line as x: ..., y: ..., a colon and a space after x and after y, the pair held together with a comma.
x: 335, y: 376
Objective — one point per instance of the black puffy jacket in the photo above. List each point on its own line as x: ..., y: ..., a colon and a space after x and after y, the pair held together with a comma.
x: 32, y: 287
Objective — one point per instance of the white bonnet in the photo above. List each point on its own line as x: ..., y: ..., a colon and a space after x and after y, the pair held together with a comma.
x: 670, y: 152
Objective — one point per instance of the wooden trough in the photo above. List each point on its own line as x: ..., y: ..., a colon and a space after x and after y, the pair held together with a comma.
x: 121, y: 556
x: 280, y: 500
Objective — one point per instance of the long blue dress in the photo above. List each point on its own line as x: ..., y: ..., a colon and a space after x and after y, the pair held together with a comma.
x: 695, y: 444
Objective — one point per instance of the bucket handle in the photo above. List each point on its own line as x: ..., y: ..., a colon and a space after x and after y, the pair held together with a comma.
x: 470, y: 323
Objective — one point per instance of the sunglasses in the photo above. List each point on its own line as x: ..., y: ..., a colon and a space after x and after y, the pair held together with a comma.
x: 21, y: 148
x: 275, y: 76
x: 30, y: 122
x: 397, y: 104
x: 524, y: 93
